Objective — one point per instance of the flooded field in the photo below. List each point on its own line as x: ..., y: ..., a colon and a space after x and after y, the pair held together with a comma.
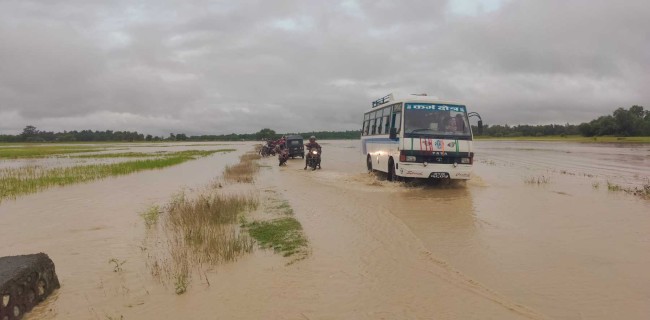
x: 543, y: 230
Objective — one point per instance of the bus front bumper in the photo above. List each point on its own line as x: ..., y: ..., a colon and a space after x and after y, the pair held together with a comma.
x: 436, y: 171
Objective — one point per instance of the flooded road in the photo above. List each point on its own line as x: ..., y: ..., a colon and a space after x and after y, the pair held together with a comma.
x: 496, y: 247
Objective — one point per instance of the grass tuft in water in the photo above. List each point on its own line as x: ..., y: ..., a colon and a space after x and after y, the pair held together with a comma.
x: 537, y: 180
x: 642, y: 191
x: 244, y: 171
x: 201, y: 230
x: 151, y: 216
x: 613, y: 187
x: 284, y: 235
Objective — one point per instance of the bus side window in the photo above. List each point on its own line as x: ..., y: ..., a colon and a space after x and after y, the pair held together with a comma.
x: 397, y: 121
x: 379, y: 125
x: 374, y: 127
x: 364, y: 127
x: 386, y: 124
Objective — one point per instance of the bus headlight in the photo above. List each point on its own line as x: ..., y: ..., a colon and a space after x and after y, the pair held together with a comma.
x: 465, y: 160
x: 410, y: 159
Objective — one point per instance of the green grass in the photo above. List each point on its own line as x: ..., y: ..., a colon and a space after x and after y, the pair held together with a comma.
x: 118, y: 155
x: 25, y: 180
x: 573, y: 138
x: 284, y: 207
x: 284, y: 235
x: 30, y: 152
x: 151, y: 216
x: 199, y: 153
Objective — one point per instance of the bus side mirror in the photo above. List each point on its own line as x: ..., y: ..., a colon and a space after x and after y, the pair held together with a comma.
x: 393, y: 133
x: 480, y: 127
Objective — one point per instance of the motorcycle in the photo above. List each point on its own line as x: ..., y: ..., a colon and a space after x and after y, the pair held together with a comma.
x: 313, y: 158
x: 265, y: 151
x: 283, y: 156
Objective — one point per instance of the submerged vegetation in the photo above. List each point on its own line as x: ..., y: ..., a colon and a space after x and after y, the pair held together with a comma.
x: 641, y: 191
x: 244, y: 171
x: 284, y: 235
x: 197, y: 231
x: 25, y: 180
x: 537, y: 180
x: 205, y: 224
x: 151, y: 216
x: 200, y: 230
x: 29, y: 152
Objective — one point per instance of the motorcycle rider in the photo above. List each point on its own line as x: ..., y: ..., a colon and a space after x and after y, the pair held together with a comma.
x: 312, y: 144
x: 283, y: 154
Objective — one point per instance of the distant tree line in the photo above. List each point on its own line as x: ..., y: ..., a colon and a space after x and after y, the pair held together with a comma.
x: 631, y: 122
x: 525, y: 130
x: 267, y: 133
x: 32, y: 134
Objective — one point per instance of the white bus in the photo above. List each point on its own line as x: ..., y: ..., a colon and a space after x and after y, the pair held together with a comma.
x: 418, y: 136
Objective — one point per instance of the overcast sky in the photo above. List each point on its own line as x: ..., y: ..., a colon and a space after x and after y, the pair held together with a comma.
x: 204, y: 67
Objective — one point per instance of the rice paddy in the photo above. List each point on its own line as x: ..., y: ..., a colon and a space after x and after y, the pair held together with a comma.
x: 30, y: 152
x: 19, y: 181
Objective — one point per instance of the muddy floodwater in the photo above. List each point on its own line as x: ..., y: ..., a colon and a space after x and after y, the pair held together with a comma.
x: 540, y: 232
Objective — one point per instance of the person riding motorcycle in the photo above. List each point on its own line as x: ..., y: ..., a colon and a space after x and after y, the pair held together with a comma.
x: 312, y: 144
x: 283, y: 154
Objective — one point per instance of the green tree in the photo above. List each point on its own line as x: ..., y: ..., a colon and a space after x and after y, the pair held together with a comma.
x: 265, y: 133
x: 29, y: 132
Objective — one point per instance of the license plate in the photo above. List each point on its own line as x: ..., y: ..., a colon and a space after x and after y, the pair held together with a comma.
x: 439, y: 175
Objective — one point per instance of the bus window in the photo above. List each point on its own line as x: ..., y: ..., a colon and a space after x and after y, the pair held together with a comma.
x: 397, y: 121
x: 366, y: 127
x: 379, y: 125
x: 374, y: 127
x: 386, y: 124
x: 366, y: 116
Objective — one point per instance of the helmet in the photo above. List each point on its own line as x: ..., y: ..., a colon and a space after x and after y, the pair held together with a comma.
x: 312, y: 138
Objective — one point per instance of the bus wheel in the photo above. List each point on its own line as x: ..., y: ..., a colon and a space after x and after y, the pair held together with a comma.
x: 369, y: 163
x: 391, y: 171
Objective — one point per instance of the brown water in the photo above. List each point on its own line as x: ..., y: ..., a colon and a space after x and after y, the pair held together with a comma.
x: 493, y: 248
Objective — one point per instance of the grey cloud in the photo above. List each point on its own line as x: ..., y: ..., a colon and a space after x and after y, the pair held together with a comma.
x: 237, y: 66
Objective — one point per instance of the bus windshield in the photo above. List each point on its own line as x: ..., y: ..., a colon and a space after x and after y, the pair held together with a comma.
x: 436, y: 120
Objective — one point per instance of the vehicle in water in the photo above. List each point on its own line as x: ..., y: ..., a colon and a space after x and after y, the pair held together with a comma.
x: 313, y: 158
x: 295, y: 146
x: 283, y: 156
x: 418, y: 136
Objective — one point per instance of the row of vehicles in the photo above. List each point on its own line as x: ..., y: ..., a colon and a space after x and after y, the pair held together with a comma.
x: 418, y: 136
x: 292, y: 146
